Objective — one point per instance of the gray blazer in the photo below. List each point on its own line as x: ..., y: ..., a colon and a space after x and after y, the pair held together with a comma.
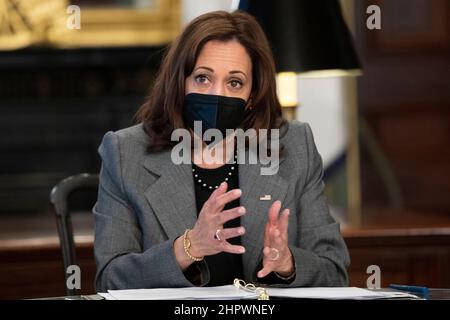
x: 145, y: 202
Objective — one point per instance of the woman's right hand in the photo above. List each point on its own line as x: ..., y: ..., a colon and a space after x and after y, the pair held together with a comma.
x: 210, y: 219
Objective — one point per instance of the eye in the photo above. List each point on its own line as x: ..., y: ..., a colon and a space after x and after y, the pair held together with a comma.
x: 202, y: 79
x: 236, y: 84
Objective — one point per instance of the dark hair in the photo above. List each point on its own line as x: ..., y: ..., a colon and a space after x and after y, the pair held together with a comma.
x: 162, y: 112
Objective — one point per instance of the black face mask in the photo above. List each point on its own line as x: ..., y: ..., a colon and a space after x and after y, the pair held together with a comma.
x: 215, y: 112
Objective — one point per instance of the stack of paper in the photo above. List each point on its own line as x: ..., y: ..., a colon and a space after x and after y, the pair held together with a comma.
x: 232, y: 292
x: 334, y: 293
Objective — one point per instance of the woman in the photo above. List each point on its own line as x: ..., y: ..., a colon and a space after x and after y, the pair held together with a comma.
x: 162, y: 224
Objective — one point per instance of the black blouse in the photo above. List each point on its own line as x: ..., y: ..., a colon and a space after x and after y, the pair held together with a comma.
x: 223, y: 267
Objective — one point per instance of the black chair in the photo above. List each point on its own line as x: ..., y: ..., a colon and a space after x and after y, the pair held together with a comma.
x: 59, y: 198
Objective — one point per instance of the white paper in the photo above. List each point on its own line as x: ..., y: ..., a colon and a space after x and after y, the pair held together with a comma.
x: 231, y: 292
x: 106, y: 295
x: 334, y: 293
x: 218, y: 293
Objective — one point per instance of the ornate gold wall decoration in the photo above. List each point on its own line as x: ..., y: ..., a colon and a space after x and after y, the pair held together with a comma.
x: 25, y: 22
x: 44, y: 22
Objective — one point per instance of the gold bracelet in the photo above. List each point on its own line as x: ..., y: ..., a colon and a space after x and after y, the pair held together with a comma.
x: 187, y: 245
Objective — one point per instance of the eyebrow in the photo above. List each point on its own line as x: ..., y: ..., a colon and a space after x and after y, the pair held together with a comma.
x: 231, y: 72
x: 238, y: 71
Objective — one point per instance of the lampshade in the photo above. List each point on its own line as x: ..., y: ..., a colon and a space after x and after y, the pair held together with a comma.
x: 306, y: 36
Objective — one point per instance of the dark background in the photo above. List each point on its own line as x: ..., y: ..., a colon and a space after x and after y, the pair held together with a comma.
x: 404, y: 94
x: 55, y: 106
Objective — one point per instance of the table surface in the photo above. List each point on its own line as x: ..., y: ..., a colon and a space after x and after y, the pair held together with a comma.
x: 434, y: 294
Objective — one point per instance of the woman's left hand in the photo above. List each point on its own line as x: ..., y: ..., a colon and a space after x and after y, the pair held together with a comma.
x: 277, y: 256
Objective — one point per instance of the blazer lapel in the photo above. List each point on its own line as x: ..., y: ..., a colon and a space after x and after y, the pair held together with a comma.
x: 172, y: 196
x: 255, y: 186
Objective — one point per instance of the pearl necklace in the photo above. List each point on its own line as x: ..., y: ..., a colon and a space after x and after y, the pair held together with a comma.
x: 200, y: 181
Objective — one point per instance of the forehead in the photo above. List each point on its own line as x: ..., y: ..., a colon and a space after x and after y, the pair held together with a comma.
x: 224, y: 55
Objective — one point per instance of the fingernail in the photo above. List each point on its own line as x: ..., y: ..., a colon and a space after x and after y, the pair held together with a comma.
x: 241, y: 210
x: 241, y: 230
x: 242, y: 250
x: 238, y: 192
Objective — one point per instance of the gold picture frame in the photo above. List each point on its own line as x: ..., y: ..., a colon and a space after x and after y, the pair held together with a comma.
x: 121, y: 26
x: 99, y: 26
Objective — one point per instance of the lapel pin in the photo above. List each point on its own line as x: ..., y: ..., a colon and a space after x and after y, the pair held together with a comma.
x: 265, y: 197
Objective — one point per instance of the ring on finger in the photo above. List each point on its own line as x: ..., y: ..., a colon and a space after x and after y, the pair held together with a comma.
x: 274, y: 254
x: 217, y: 234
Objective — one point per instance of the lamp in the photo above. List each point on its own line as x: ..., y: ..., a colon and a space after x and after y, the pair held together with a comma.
x: 307, y: 37
x: 310, y: 39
